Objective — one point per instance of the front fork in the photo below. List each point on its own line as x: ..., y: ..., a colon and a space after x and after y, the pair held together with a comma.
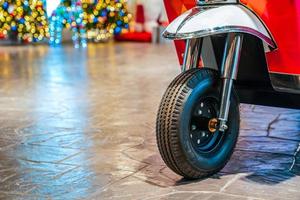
x: 192, y: 54
x: 229, y: 69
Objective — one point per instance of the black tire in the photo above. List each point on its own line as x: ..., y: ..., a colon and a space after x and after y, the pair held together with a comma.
x: 184, y: 150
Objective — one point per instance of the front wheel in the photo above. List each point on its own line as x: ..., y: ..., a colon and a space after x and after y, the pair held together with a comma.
x: 187, y: 144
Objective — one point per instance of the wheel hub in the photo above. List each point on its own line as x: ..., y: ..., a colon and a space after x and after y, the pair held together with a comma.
x: 204, y: 125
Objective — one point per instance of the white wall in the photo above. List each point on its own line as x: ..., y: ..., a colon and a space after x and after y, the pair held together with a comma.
x: 153, y: 9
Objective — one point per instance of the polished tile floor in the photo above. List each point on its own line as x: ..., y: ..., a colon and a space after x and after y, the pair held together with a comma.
x: 79, y: 124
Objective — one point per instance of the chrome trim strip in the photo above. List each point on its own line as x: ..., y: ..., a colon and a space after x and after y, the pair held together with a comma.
x: 285, y: 82
x: 214, y: 2
x: 266, y: 27
x: 220, y: 30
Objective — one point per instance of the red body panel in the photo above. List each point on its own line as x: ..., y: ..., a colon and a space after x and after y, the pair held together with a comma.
x: 281, y: 17
x: 174, y: 9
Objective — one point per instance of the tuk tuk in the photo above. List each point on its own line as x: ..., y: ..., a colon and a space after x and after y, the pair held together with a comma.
x: 230, y: 52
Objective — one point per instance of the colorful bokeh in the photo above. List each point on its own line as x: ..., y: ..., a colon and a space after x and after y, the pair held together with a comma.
x: 23, y: 20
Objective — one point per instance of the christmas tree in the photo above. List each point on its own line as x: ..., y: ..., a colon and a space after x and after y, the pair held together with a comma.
x: 23, y: 20
x: 102, y: 18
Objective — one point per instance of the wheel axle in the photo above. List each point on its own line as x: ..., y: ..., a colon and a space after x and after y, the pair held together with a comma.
x: 213, y: 125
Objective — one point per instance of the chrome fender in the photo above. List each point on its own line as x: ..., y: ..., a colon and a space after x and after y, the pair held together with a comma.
x: 206, y: 21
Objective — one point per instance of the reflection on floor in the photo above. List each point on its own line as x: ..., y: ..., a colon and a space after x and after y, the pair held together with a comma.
x: 80, y: 124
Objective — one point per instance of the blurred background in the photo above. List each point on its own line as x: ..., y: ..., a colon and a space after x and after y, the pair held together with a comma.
x: 80, y: 21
